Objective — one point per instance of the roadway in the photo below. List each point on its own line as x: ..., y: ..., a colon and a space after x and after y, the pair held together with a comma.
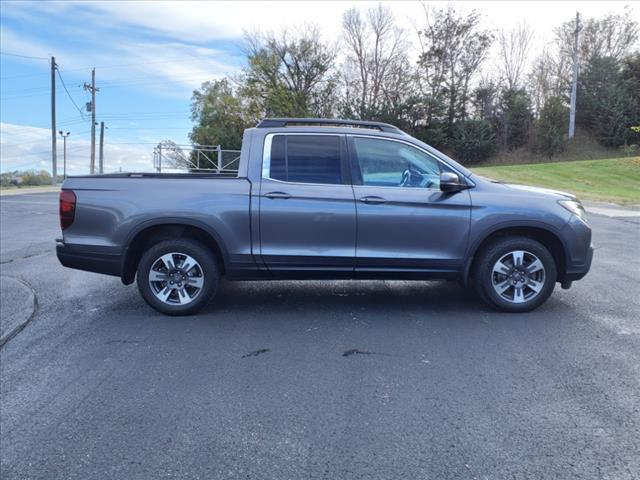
x: 316, y: 380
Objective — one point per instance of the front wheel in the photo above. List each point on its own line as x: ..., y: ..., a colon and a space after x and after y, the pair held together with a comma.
x: 177, y: 277
x: 515, y: 274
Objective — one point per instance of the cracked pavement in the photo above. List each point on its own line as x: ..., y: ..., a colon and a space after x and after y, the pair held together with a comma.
x: 318, y: 380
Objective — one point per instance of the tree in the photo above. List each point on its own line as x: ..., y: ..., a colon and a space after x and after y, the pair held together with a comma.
x: 611, y: 36
x: 289, y: 75
x: 484, y: 99
x: 220, y: 115
x: 452, y: 49
x: 513, y: 51
x: 473, y: 140
x: 609, y: 99
x: 376, y: 74
x: 548, y: 78
x: 514, y: 118
x: 551, y: 127
x: 173, y: 156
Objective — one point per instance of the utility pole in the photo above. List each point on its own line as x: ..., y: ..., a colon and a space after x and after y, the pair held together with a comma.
x: 54, y: 148
x: 574, y: 82
x: 64, y: 142
x: 101, y: 155
x: 92, y: 88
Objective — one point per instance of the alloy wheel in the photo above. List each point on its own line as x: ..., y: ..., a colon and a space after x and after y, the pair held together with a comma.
x: 176, y: 278
x: 518, y: 276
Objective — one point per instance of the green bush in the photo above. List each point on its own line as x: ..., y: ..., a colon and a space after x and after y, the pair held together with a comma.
x: 434, y: 134
x: 632, y: 150
x: 551, y: 127
x: 473, y: 140
x: 27, y: 177
x: 5, y: 179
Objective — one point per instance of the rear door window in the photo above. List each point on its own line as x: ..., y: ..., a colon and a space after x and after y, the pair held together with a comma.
x: 306, y: 159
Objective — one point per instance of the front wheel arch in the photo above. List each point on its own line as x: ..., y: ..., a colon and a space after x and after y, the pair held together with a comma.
x: 546, y: 237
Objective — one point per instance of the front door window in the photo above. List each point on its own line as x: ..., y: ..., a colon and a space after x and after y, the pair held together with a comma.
x: 385, y: 163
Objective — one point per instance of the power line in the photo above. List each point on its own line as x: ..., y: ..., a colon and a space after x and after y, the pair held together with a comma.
x: 149, y: 129
x: 69, y: 95
x: 118, y: 65
x: 26, y: 90
x: 22, y: 56
x: 13, y: 97
x: 30, y: 142
x: 44, y: 152
x: 178, y: 80
x: 85, y: 68
x: 24, y: 75
x: 67, y: 124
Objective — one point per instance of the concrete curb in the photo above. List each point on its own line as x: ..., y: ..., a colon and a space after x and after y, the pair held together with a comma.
x: 611, y: 209
x: 19, y: 304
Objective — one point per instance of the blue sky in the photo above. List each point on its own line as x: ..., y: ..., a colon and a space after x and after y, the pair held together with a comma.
x: 149, y: 56
x: 146, y: 76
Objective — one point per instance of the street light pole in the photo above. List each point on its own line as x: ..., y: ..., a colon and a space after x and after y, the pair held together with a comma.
x: 64, y: 141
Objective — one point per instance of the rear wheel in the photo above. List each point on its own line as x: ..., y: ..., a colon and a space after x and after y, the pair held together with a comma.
x: 515, y: 274
x: 178, y: 277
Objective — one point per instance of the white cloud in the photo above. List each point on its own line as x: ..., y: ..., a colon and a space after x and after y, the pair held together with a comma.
x: 12, y: 42
x: 24, y: 147
x: 201, y: 22
x: 171, y: 68
x: 178, y: 63
x: 172, y: 41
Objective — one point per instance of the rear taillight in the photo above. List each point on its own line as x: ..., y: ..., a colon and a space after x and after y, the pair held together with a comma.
x: 67, y: 208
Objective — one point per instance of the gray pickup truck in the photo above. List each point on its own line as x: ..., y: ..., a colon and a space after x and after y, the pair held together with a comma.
x: 324, y: 199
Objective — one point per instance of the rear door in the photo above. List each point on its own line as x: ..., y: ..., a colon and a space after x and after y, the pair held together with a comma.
x: 405, y: 223
x: 307, y: 208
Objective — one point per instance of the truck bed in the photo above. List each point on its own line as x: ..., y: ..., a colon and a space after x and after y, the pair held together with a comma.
x: 113, y: 209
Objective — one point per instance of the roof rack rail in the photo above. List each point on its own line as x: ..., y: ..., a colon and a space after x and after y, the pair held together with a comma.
x: 329, y: 122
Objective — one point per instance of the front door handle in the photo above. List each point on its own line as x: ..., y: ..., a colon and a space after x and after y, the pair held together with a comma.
x: 274, y: 195
x: 373, y: 200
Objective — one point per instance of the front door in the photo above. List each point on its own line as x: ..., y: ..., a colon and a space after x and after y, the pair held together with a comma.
x: 404, y: 222
x: 307, y: 209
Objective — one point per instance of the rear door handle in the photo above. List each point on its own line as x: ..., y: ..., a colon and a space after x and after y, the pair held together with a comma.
x: 373, y: 200
x: 274, y: 195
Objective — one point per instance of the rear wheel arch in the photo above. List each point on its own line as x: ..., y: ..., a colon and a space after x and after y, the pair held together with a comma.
x: 150, y: 235
x: 545, y: 236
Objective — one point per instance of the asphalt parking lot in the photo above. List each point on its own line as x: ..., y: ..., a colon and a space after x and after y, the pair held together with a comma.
x: 311, y: 380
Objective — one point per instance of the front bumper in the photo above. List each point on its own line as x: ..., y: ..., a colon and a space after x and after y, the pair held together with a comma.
x: 577, y: 272
x: 579, y: 250
x: 88, y: 259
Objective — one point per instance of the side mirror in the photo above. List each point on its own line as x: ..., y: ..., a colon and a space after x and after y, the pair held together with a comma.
x: 450, y: 182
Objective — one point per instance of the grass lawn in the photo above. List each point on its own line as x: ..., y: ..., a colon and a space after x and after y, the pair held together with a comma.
x: 614, y: 180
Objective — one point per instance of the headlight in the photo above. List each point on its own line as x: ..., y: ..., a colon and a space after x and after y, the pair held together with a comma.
x: 574, y: 207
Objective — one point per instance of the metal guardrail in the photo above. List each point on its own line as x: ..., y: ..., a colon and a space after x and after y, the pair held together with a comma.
x: 195, y: 158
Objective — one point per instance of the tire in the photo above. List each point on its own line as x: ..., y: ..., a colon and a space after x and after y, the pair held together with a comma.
x: 178, y: 277
x: 515, y: 274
